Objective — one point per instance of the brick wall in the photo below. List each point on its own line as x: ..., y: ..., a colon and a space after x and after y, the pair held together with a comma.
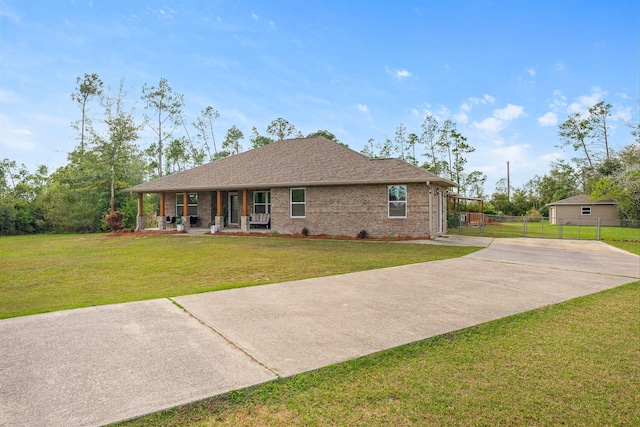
x: 338, y: 210
x: 170, y: 204
x: 346, y: 210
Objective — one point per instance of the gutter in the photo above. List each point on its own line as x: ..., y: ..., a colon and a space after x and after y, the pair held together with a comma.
x: 287, y: 185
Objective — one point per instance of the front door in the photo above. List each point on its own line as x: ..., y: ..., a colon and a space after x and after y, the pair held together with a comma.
x: 234, y: 205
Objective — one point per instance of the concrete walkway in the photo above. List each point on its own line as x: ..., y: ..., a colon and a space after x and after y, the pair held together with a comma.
x: 99, y: 365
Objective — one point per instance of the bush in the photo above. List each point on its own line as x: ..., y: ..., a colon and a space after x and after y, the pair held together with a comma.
x: 453, y: 220
x: 305, y: 231
x: 362, y: 234
x: 534, y: 215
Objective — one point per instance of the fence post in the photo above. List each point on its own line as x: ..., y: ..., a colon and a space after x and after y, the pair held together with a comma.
x: 542, y: 227
x: 559, y: 222
x: 578, y: 228
x: 524, y: 226
x: 598, y: 229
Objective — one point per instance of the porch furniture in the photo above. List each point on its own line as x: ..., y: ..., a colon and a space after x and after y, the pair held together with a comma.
x: 193, y: 219
x: 170, y: 220
x: 260, y: 219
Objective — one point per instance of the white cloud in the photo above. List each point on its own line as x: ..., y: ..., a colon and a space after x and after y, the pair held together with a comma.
x: 461, y: 117
x: 624, y: 113
x: 559, y: 66
x: 255, y: 17
x: 531, y: 71
x: 490, y: 125
x: 500, y: 117
x: 401, y: 74
x: 597, y: 93
x: 470, y: 102
x: 398, y: 74
x: 550, y: 157
x: 16, y: 139
x: 624, y: 95
x: 584, y: 102
x: 363, y: 107
x: 549, y: 119
x: 510, y: 112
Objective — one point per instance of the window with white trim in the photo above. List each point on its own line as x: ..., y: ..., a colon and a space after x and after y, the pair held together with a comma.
x: 397, y: 201
x: 585, y: 210
x: 192, y: 208
x: 298, y: 202
x: 262, y: 202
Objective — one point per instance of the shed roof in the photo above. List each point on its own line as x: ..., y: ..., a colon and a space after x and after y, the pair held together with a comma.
x: 582, y: 199
x: 311, y: 161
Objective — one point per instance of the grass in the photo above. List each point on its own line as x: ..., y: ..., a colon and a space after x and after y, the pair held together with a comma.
x: 574, y: 363
x: 54, y: 272
x: 623, y: 238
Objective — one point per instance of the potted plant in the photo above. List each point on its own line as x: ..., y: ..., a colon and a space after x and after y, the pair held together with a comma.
x: 179, y: 224
x: 212, y: 227
x: 224, y: 216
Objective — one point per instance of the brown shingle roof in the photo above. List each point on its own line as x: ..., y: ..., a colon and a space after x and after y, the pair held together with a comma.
x: 581, y: 199
x: 291, y: 162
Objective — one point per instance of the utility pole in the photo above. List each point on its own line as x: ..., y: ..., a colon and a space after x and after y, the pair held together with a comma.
x: 508, y: 183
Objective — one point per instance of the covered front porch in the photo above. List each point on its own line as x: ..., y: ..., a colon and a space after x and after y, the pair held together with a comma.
x: 241, y: 210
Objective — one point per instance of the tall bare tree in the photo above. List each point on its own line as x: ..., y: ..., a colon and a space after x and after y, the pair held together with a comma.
x: 598, y: 120
x: 88, y: 86
x: 116, y: 149
x: 574, y: 132
x: 281, y: 128
x: 166, y: 107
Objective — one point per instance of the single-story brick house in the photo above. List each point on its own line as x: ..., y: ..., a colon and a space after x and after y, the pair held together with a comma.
x: 311, y: 183
x: 581, y: 210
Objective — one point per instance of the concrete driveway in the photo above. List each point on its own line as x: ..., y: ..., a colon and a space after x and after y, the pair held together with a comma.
x: 99, y: 365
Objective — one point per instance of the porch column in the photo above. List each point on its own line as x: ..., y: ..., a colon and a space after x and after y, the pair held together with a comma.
x: 218, y: 218
x: 244, y: 219
x: 185, y: 210
x: 140, y: 218
x: 244, y: 203
x: 162, y: 224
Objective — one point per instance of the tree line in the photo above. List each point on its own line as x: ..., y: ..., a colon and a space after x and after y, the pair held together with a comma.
x: 596, y: 169
x: 108, y: 158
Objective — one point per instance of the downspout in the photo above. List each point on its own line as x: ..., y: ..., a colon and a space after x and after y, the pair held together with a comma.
x: 431, y: 233
x: 140, y: 217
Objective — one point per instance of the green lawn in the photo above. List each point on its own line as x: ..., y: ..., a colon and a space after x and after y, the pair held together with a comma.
x: 54, y: 272
x: 574, y: 363
x: 624, y: 238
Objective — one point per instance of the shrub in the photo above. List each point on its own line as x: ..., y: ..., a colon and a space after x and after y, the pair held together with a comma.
x: 305, y: 231
x: 534, y: 215
x: 362, y: 234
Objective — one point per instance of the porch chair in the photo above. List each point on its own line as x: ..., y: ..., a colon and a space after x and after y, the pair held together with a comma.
x: 260, y: 219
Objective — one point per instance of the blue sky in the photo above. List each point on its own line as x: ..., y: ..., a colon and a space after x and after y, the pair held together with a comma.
x: 508, y: 72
